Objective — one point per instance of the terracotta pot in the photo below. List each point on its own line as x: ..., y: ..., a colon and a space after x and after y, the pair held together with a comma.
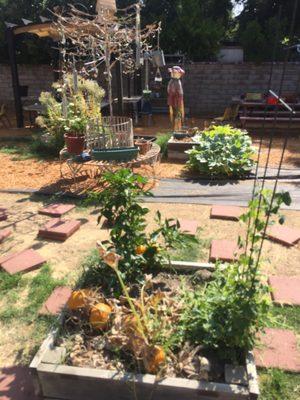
x: 144, y: 146
x: 75, y: 144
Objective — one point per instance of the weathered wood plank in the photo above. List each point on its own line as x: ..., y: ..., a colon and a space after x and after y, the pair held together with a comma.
x: 189, y: 266
x: 252, y: 376
x: 73, y: 383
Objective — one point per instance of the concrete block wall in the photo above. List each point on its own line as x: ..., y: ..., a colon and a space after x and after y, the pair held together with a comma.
x: 208, y: 87
x: 38, y: 78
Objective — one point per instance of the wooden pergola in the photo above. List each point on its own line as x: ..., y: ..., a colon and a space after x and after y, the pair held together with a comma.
x: 42, y: 30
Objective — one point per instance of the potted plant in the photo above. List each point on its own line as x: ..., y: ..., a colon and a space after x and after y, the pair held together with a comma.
x: 68, y: 109
x: 74, y: 136
x: 143, y: 145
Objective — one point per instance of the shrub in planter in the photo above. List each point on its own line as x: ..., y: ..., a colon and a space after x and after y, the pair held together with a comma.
x: 222, y: 151
x: 140, y: 252
x: 227, y: 314
x: 82, y: 105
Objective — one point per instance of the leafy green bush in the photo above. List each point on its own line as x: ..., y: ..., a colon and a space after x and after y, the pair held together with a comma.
x: 140, y: 252
x: 82, y: 106
x: 162, y: 141
x: 222, y: 151
x: 227, y: 314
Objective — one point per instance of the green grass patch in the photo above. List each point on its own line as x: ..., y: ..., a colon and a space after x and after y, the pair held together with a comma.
x: 32, y: 148
x: 9, y: 282
x: 162, y: 141
x: 279, y: 385
x: 192, y: 252
x: 285, y: 318
x: 35, y: 292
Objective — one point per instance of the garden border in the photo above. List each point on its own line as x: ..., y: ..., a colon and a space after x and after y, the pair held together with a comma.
x: 60, y: 382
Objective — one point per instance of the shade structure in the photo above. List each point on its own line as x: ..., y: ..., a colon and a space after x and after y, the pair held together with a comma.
x: 106, y: 4
x: 47, y: 29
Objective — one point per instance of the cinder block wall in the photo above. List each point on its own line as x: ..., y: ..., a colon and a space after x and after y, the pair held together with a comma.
x: 37, y: 77
x: 209, y: 87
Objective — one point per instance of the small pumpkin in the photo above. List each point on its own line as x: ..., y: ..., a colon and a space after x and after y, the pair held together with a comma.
x: 154, y: 358
x: 140, y: 250
x: 99, y: 315
x: 78, y: 299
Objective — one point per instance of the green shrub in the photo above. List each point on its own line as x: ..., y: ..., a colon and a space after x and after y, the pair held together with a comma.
x: 162, y: 141
x: 222, y: 151
x: 82, y: 106
x: 141, y: 252
x: 227, y: 314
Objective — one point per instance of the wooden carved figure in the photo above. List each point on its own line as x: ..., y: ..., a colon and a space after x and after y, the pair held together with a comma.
x: 175, y: 98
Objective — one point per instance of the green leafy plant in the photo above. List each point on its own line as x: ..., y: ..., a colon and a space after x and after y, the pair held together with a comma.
x: 162, y: 141
x: 82, y: 106
x: 233, y: 307
x: 140, y: 252
x: 221, y: 151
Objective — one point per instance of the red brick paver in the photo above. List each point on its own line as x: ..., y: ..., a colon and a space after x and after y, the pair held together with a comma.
x: 226, y: 212
x: 284, y: 235
x: 278, y: 350
x: 24, y: 261
x: 4, y: 234
x: 56, y: 301
x: 223, y: 250
x: 58, y: 229
x: 285, y: 290
x: 56, y: 210
x: 16, y: 384
x: 189, y: 227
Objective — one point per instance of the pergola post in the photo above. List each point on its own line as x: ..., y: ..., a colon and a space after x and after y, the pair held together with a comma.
x: 120, y: 93
x: 11, y: 41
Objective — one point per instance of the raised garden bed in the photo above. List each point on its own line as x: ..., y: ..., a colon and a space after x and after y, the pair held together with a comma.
x: 57, y: 380
x: 177, y: 148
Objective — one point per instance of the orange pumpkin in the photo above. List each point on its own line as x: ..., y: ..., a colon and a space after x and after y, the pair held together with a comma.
x: 99, y: 315
x: 154, y: 358
x: 78, y: 299
x: 140, y: 250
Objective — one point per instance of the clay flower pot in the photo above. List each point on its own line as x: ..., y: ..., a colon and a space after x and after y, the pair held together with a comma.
x: 143, y: 145
x: 75, y: 144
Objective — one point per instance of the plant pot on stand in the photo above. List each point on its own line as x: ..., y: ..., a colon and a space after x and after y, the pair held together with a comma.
x: 74, y: 143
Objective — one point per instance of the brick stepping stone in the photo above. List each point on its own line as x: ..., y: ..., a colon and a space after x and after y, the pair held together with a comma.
x: 16, y: 384
x: 24, y: 261
x: 4, y: 234
x: 223, y: 250
x: 226, y: 212
x: 189, y: 227
x: 56, y: 210
x: 285, y: 290
x: 60, y: 230
x: 284, y: 235
x: 278, y: 349
x: 3, y: 214
x: 56, y: 301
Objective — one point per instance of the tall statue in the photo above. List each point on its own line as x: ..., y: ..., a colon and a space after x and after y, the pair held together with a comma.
x: 175, y: 98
